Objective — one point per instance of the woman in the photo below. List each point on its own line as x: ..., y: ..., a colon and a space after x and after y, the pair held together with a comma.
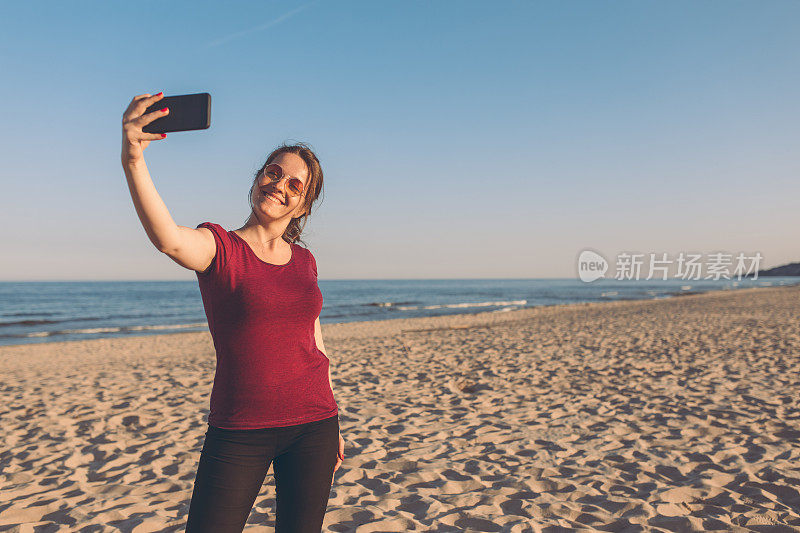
x: 272, y: 400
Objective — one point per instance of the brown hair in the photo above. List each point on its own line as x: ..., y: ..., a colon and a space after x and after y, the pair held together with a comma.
x: 312, y: 191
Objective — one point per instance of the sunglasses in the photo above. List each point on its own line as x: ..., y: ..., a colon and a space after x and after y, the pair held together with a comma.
x: 274, y: 172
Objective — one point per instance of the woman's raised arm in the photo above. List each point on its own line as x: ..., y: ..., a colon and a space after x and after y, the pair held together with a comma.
x: 191, y: 248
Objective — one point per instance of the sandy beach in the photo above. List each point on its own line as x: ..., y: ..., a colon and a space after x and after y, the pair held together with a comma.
x: 680, y: 414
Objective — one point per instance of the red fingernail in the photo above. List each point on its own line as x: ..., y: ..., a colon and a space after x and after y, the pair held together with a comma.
x: 164, y: 109
x: 159, y: 94
x: 163, y: 135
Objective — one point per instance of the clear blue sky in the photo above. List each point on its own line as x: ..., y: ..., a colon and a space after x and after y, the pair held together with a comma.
x: 458, y: 139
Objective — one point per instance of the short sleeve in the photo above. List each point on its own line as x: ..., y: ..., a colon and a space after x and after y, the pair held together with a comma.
x: 222, y: 240
x: 313, y: 264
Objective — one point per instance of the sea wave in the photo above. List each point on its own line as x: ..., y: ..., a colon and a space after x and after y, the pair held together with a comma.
x: 112, y: 329
x: 463, y: 305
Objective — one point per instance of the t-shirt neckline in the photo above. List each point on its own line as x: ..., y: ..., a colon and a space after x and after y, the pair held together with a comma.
x: 291, y: 258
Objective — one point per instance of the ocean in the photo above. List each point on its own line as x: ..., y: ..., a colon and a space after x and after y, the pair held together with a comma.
x: 32, y: 312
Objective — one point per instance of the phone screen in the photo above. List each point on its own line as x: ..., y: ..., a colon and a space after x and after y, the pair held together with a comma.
x: 186, y: 112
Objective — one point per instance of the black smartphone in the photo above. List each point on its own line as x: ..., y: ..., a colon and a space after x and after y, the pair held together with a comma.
x: 186, y: 112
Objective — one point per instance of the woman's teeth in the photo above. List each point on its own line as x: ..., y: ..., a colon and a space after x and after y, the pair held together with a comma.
x: 273, y: 199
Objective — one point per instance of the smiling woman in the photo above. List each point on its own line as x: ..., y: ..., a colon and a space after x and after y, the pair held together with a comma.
x: 305, y: 167
x: 272, y: 400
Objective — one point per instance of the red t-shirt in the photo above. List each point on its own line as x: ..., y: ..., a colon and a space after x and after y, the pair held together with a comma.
x: 270, y: 372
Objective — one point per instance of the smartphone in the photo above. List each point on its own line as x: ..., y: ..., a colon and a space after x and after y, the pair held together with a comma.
x: 186, y: 112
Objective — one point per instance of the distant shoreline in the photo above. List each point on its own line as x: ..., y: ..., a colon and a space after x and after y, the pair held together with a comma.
x: 446, y: 317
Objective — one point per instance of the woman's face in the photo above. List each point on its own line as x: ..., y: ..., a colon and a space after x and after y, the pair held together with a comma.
x: 286, y: 206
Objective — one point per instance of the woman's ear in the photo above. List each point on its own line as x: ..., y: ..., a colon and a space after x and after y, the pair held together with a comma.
x: 300, y: 215
x: 304, y: 210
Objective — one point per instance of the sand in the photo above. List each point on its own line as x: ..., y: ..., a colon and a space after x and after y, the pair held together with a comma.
x: 680, y: 414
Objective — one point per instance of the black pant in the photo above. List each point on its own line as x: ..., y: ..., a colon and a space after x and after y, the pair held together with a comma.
x: 233, y: 464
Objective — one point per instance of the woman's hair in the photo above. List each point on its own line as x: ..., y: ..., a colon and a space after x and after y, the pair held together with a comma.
x: 312, y: 190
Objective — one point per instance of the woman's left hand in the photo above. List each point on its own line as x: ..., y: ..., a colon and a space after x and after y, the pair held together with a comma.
x: 339, y: 456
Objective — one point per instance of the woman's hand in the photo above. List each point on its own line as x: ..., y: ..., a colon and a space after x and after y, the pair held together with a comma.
x: 339, y: 456
x: 134, y: 140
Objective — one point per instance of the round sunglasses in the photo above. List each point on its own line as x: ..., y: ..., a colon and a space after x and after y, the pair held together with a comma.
x: 274, y: 172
